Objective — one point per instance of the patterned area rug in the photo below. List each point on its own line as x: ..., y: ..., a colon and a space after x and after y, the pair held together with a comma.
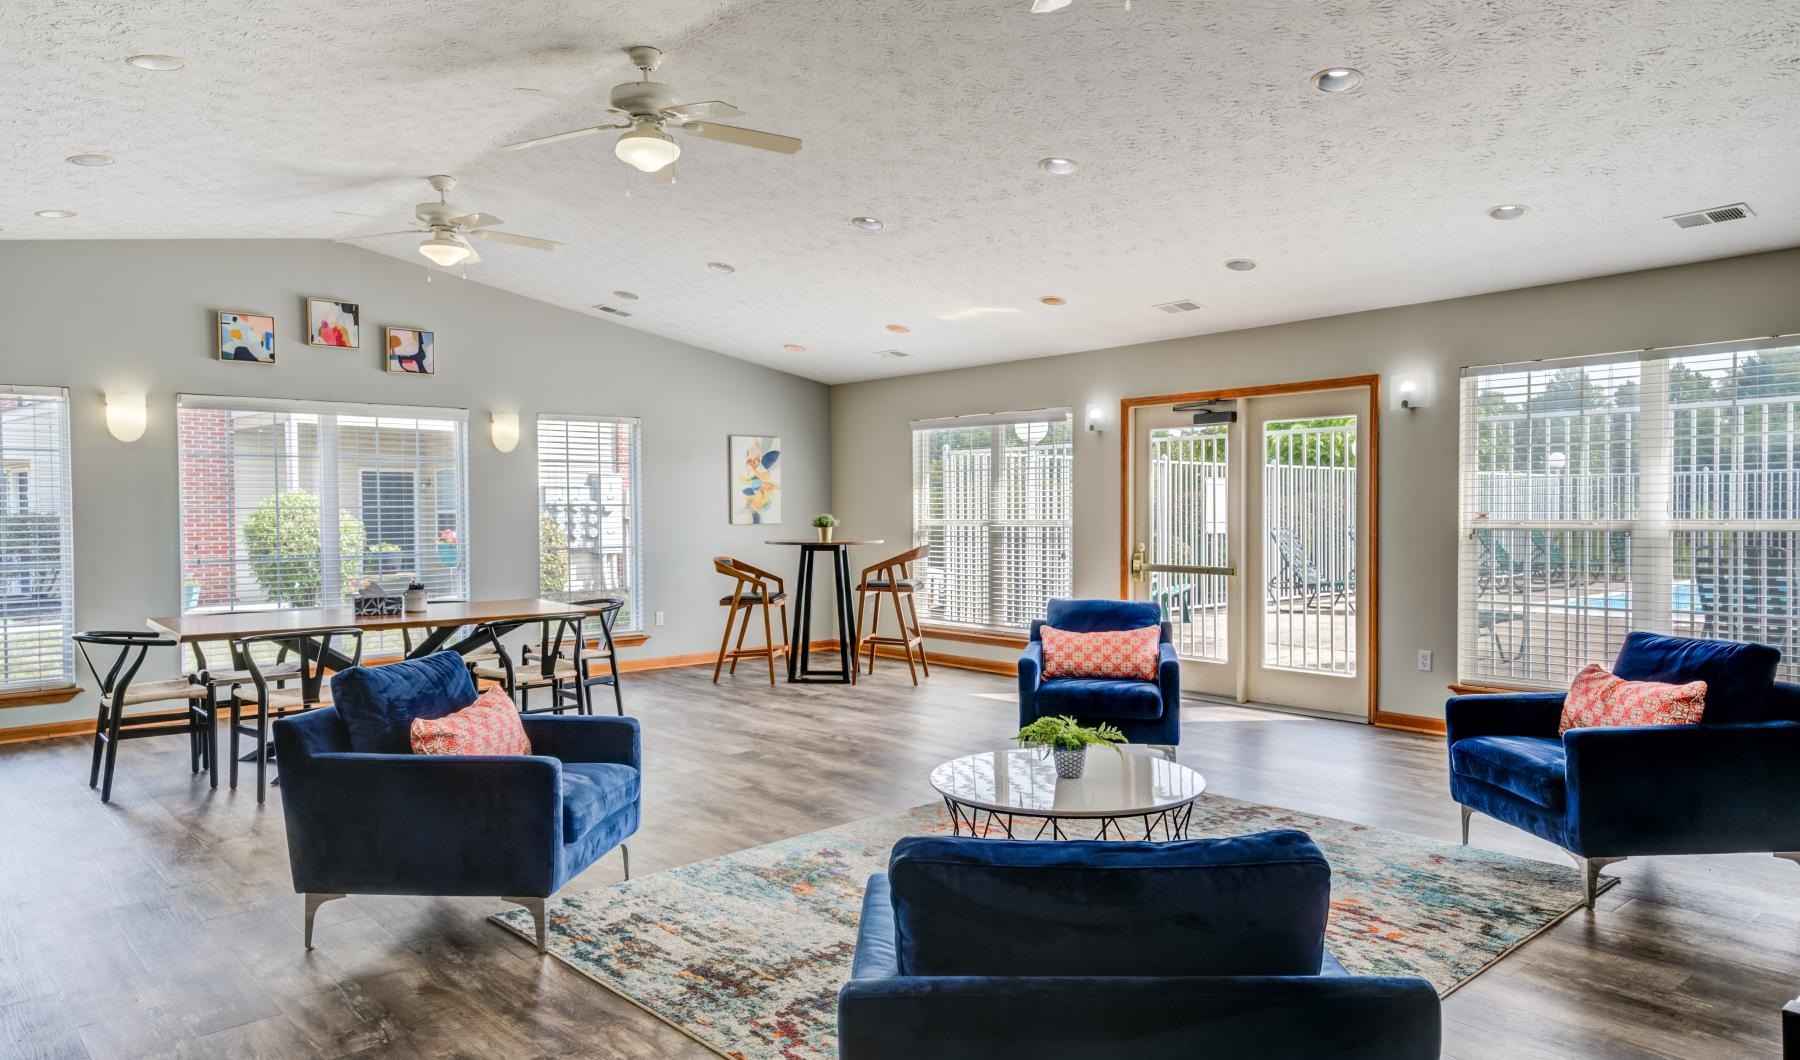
x: 745, y: 953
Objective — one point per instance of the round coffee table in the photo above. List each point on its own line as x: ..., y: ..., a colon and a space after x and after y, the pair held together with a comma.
x: 1120, y: 792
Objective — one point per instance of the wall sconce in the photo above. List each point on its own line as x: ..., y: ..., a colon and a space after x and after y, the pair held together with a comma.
x: 1410, y: 393
x: 506, y: 431
x: 126, y: 416
x: 1096, y: 418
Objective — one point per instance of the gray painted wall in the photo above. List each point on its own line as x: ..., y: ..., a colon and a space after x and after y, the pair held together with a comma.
x: 1719, y: 300
x: 136, y: 316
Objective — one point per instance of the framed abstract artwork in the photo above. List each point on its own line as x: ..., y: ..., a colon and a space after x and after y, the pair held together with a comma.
x: 409, y: 351
x: 333, y: 323
x: 755, y: 478
x: 248, y: 337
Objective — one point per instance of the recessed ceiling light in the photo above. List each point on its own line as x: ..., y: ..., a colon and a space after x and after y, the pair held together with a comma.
x: 1511, y: 211
x: 720, y: 267
x: 56, y: 214
x: 626, y: 295
x: 898, y: 329
x: 90, y: 160
x: 1240, y: 264
x: 1061, y: 167
x: 1051, y: 299
x: 1337, y: 79
x: 159, y: 63
x: 794, y: 347
x: 868, y: 224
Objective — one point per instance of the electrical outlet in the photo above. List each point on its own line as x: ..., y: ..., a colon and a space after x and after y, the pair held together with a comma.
x: 659, y: 618
x: 1425, y: 661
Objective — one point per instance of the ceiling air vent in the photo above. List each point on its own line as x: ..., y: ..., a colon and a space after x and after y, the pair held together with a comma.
x: 1183, y: 306
x: 1737, y: 211
x: 890, y: 355
x: 612, y: 310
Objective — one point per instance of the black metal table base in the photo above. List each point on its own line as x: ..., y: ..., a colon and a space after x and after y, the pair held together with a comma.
x: 800, y: 668
x: 1173, y: 823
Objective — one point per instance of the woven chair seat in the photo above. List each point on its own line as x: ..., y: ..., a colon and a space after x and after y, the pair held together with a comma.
x: 523, y: 676
x: 274, y: 672
x: 159, y: 691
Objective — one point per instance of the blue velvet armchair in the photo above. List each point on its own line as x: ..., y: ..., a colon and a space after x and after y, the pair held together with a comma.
x: 1726, y: 786
x: 993, y: 950
x: 366, y: 816
x: 1145, y: 711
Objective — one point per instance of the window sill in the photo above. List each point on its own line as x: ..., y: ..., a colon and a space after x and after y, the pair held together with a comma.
x: 38, y: 696
x: 975, y: 635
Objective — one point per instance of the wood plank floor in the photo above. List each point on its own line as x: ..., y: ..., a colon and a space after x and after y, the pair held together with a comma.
x: 165, y: 924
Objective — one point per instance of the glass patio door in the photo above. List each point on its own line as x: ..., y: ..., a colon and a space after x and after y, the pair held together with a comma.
x: 1246, y: 532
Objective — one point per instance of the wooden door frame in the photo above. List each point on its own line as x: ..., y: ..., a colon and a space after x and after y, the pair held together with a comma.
x: 1372, y: 383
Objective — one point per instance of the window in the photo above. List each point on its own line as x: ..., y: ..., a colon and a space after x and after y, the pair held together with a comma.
x: 296, y: 503
x: 991, y: 500
x: 1656, y: 491
x: 589, y: 530
x: 37, y: 559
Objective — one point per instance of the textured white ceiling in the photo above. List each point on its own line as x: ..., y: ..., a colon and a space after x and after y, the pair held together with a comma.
x: 1198, y: 135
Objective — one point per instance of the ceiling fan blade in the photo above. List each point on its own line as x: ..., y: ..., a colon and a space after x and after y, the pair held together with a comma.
x: 557, y: 137
x: 516, y: 240
x: 668, y: 174
x: 712, y: 108
x: 378, y: 235
x: 475, y: 220
x: 1044, y: 7
x: 732, y: 134
x: 574, y: 100
x: 472, y: 259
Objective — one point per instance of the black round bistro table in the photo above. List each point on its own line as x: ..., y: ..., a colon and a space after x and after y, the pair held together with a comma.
x: 800, y: 668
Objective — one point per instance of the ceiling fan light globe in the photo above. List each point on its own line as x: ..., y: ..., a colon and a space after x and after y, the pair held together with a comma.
x: 646, y: 149
x: 443, y: 250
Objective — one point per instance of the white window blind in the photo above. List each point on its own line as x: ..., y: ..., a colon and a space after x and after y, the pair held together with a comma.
x: 296, y: 503
x: 37, y: 560
x: 992, y: 501
x: 589, y: 530
x: 1652, y: 491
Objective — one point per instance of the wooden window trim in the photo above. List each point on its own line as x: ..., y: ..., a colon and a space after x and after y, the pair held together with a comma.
x: 39, y: 696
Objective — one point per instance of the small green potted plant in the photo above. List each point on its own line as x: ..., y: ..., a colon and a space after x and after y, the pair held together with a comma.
x: 1068, y: 740
x: 825, y: 523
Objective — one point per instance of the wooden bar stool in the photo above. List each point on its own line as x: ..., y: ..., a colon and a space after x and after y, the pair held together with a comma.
x: 119, y: 688
x: 753, y: 588
x: 893, y: 576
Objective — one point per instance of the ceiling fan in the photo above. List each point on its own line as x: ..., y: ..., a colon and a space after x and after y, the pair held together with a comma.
x: 650, y: 108
x: 449, y: 227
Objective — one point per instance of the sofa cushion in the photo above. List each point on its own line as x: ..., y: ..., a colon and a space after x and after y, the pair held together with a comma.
x: 1119, y: 654
x: 1097, y: 698
x: 1738, y: 676
x: 1247, y: 905
x: 1530, y: 767
x: 488, y: 726
x: 1086, y: 616
x: 1598, y: 699
x: 594, y: 791
x: 378, y: 703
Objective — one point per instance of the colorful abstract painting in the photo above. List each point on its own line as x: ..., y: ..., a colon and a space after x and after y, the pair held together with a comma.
x: 409, y: 351
x: 333, y: 323
x: 755, y: 479
x: 246, y: 337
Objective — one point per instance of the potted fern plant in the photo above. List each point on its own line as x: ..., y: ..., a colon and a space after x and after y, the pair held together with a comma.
x: 1068, y: 741
x: 825, y: 524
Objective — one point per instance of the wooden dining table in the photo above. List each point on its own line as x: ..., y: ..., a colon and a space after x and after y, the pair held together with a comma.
x: 799, y: 656
x: 441, y: 619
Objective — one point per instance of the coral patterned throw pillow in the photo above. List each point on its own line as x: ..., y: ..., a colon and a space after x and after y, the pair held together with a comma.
x: 1598, y: 699
x: 488, y: 726
x: 1129, y: 654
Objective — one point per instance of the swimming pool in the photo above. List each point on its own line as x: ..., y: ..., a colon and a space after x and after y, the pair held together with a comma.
x: 1681, y: 599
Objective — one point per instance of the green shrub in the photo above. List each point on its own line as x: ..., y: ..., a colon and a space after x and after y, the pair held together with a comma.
x: 553, y: 557
x: 281, y: 543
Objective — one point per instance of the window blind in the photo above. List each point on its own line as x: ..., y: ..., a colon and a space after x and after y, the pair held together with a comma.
x: 992, y: 498
x: 37, y: 561
x: 1651, y: 491
x: 588, y: 511
x: 298, y: 503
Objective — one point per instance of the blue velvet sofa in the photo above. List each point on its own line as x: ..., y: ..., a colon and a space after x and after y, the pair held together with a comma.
x: 996, y: 949
x: 1726, y: 786
x: 1145, y: 711
x: 366, y: 816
